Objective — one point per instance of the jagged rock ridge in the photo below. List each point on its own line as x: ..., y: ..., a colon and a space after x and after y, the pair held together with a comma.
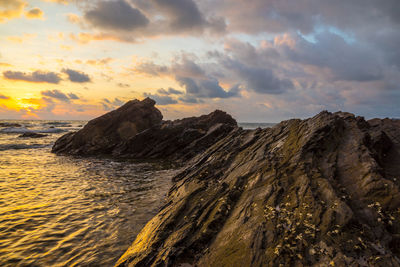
x: 317, y: 192
x: 136, y: 130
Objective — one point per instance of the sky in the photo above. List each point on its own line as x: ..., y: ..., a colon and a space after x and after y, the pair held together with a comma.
x: 259, y: 60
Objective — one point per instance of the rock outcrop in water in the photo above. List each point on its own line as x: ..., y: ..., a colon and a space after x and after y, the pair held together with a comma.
x: 317, y: 192
x: 136, y: 131
x: 178, y: 140
x: 103, y: 134
x: 32, y: 135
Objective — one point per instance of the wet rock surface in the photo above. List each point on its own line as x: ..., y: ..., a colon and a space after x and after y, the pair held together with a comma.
x: 317, y: 192
x: 136, y: 131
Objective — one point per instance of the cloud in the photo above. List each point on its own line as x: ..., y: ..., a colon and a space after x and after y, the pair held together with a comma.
x: 4, y: 97
x: 85, y: 38
x: 116, y: 15
x: 136, y: 20
x: 183, y: 66
x: 260, y: 80
x: 10, y: 9
x: 111, y: 104
x: 348, y: 62
x: 183, y: 14
x: 99, y: 62
x: 34, y: 13
x: 123, y: 85
x: 170, y: 91
x: 273, y: 16
x: 165, y: 96
x: 76, y: 76
x: 161, y: 99
x: 64, y: 2
x: 36, y: 76
x: 385, y: 41
x: 73, y: 18
x: 190, y: 76
x: 4, y: 64
x: 21, y: 39
x: 205, y: 88
x: 73, y: 96
x: 57, y: 94
x: 190, y: 99
x: 151, y: 68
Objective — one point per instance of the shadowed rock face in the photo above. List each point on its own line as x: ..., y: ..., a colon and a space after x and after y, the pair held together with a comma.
x: 136, y: 131
x: 178, y: 140
x: 103, y: 134
x: 317, y: 192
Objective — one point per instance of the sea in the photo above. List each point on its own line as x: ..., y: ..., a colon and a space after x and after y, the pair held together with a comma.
x: 72, y: 211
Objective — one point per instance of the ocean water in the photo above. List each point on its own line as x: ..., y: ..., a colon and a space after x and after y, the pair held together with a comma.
x: 70, y: 211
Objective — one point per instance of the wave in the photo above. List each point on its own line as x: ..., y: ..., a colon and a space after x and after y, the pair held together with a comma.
x: 4, y: 147
x: 22, y: 130
x: 51, y: 130
x: 57, y: 123
x: 16, y: 130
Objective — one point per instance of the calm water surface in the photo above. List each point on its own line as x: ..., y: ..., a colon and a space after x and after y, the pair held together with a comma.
x: 66, y: 211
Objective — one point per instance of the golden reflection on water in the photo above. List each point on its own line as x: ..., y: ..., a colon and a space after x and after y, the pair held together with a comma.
x: 57, y: 211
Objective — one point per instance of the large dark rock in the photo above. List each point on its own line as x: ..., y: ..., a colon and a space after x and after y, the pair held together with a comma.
x: 179, y: 139
x: 136, y: 131
x: 317, y: 192
x: 103, y: 134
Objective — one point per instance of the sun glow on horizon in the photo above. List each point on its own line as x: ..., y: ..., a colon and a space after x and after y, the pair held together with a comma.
x: 27, y: 104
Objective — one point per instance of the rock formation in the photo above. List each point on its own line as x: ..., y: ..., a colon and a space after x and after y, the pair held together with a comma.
x: 103, y: 134
x: 136, y: 131
x: 317, y: 192
x: 32, y: 135
x: 178, y: 140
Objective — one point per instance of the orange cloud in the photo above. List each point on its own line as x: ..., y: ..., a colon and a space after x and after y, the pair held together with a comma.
x: 10, y: 9
x: 20, y: 39
x: 56, y: 37
x: 73, y: 18
x: 66, y: 47
x: 64, y: 2
x: 99, y: 62
x: 285, y: 39
x: 85, y: 38
x: 35, y: 13
x: 3, y: 64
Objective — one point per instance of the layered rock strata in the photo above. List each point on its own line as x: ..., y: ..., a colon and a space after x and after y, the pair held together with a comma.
x: 136, y: 130
x: 317, y: 192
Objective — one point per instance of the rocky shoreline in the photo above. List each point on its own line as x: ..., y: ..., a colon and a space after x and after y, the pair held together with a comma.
x: 317, y: 192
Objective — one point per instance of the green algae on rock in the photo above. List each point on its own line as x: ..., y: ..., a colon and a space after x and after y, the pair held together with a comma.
x: 317, y: 192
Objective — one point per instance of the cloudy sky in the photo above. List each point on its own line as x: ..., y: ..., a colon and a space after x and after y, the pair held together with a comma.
x: 260, y: 60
